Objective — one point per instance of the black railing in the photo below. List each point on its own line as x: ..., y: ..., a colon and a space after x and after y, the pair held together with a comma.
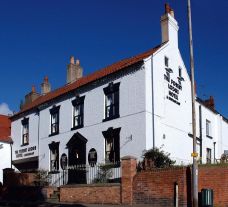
x: 87, y: 174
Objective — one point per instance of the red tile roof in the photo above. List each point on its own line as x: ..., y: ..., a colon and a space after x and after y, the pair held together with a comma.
x: 88, y: 79
x: 5, y: 128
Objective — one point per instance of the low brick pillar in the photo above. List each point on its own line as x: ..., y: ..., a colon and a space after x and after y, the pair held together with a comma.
x: 128, y: 167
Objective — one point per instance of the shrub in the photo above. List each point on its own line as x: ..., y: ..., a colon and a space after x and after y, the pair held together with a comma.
x: 155, y: 158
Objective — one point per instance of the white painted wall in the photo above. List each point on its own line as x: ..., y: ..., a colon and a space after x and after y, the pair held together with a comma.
x: 5, y: 155
x: 132, y: 119
x: 16, y: 134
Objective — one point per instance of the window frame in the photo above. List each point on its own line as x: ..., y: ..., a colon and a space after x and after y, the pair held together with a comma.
x: 208, y: 155
x: 25, y: 136
x: 111, y: 111
x: 166, y: 61
x: 208, y: 129
x: 78, y: 102
x: 114, y: 136
x: 54, y: 164
x: 54, y: 111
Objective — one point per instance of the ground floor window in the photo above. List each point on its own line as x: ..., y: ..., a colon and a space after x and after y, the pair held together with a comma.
x: 112, y: 145
x: 54, y: 156
x: 208, y: 156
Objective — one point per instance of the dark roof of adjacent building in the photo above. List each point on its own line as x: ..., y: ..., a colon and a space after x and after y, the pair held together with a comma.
x: 5, y: 129
x: 211, y: 108
x: 118, y: 66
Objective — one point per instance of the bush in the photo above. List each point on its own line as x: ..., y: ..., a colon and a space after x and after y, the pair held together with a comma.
x: 155, y: 158
x: 42, y: 178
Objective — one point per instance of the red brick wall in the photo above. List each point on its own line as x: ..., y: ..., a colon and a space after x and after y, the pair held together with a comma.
x: 103, y: 193
x: 215, y: 178
x: 157, y: 187
x: 18, y: 179
x: 128, y: 173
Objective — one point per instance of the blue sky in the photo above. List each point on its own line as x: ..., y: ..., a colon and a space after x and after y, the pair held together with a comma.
x: 38, y: 37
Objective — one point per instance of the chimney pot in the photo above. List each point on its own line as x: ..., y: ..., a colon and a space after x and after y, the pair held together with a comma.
x: 71, y: 59
x: 45, y: 86
x: 46, y: 79
x: 77, y: 62
x: 74, y: 71
x: 33, y: 89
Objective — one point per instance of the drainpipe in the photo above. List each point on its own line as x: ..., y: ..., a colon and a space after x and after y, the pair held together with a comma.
x: 214, y: 150
x: 152, y: 87
x: 11, y: 154
x: 38, y: 134
x: 200, y: 128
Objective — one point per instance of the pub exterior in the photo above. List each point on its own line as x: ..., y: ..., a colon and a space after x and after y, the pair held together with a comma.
x: 127, y: 108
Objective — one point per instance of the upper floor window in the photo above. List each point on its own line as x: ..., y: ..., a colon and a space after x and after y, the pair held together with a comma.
x: 54, y: 156
x: 54, y: 112
x: 111, y: 101
x: 78, y: 112
x: 180, y: 72
x: 25, y: 131
x: 166, y: 61
x: 208, y: 129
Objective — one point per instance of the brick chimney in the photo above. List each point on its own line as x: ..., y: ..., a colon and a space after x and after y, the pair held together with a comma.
x: 74, y: 70
x: 31, y: 96
x: 210, y: 102
x: 45, y: 86
x: 169, y: 26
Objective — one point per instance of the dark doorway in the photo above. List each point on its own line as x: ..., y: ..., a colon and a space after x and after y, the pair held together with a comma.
x: 77, y: 159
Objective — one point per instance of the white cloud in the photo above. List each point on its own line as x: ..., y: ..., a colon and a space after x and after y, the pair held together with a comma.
x: 4, y: 109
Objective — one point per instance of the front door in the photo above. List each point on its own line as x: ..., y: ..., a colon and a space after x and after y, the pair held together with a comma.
x: 77, y: 159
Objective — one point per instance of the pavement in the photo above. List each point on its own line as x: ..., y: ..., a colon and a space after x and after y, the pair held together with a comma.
x: 46, y: 204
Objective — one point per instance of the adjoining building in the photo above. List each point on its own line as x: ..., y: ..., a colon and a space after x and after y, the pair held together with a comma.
x: 131, y: 106
x: 5, y: 144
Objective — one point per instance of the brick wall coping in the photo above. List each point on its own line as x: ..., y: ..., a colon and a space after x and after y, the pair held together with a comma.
x: 128, y: 157
x: 162, y: 169
x: 91, y: 185
x: 213, y: 166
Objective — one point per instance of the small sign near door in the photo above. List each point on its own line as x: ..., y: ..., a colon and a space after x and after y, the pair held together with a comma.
x: 63, y: 161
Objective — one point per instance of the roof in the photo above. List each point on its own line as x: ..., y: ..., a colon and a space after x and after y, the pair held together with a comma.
x: 118, y: 66
x: 5, y: 128
x: 202, y: 102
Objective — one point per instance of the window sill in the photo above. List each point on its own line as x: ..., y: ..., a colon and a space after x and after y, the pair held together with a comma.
x: 111, y: 118
x: 208, y: 136
x: 77, y: 127
x: 24, y: 144
x: 53, y: 134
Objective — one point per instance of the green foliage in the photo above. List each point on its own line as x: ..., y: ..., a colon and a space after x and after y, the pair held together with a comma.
x: 42, y: 178
x: 155, y: 158
x: 104, y: 173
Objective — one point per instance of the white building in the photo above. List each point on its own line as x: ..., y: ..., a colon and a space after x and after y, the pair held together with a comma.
x: 124, y: 109
x: 5, y: 145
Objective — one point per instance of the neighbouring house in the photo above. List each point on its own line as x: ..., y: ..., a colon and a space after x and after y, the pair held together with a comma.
x: 5, y: 144
x: 126, y: 108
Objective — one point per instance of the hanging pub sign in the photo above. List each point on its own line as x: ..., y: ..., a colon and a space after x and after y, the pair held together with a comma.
x: 92, y: 157
x: 63, y: 161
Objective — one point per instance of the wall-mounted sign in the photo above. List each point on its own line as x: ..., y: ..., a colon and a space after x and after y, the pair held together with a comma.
x: 92, y: 157
x: 25, y: 152
x: 63, y: 161
x: 174, y: 88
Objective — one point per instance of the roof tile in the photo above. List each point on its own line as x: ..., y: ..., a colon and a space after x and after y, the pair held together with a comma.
x: 88, y: 79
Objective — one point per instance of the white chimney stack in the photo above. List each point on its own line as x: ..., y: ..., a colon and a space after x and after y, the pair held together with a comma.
x: 169, y: 27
